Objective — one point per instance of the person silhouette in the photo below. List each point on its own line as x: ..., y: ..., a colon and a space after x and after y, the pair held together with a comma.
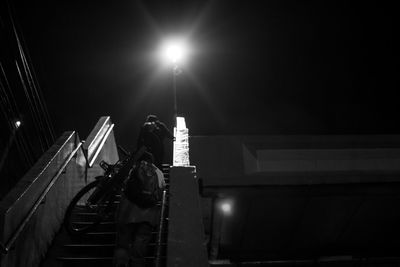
x: 152, y: 135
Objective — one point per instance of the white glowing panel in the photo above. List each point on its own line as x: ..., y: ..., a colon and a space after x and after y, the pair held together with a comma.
x: 181, y: 143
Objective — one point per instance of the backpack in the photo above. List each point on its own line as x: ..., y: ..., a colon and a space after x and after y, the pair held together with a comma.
x: 142, y: 187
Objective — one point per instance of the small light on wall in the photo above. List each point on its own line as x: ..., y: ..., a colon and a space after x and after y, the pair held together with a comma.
x: 226, y: 207
x: 17, y: 124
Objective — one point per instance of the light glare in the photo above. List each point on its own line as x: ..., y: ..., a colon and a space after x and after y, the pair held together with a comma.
x: 174, y: 51
x: 17, y: 124
x: 226, y: 207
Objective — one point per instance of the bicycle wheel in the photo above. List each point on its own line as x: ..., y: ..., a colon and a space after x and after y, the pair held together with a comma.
x: 81, y: 217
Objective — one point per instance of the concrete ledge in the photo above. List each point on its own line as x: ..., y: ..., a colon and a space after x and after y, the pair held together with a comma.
x: 274, y: 160
x: 21, y: 198
x: 96, y: 138
x: 304, y: 178
x: 186, y: 239
x: 32, y: 243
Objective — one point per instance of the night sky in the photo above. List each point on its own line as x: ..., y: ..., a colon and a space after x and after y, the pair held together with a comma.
x: 257, y: 67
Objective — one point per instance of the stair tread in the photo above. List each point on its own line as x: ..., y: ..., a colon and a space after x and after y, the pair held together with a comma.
x: 92, y: 258
x: 84, y: 258
x: 103, y: 222
x: 96, y: 247
x: 102, y: 245
x: 101, y: 233
x: 112, y: 233
x: 89, y: 245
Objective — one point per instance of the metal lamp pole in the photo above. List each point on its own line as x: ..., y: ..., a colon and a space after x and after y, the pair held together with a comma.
x: 175, y: 72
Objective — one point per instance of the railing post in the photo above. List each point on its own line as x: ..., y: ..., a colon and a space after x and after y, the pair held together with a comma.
x: 160, y: 230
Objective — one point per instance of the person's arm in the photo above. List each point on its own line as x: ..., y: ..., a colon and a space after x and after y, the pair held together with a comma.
x: 161, y: 178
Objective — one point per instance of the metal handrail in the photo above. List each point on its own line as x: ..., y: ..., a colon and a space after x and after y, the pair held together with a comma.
x: 160, y: 230
x: 5, y: 248
x: 100, y: 146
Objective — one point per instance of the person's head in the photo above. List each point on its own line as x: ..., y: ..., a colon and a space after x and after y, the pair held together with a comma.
x: 151, y: 118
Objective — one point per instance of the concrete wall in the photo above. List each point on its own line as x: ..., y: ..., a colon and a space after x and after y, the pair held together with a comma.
x: 34, y: 240
x: 186, y: 239
x: 99, y: 145
x: 217, y: 156
x: 254, y: 160
x: 299, y: 196
x: 36, y: 237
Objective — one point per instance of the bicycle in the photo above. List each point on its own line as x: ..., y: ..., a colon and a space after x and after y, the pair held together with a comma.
x: 95, y: 201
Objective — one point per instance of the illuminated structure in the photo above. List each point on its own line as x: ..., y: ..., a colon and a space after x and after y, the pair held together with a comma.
x: 181, y: 143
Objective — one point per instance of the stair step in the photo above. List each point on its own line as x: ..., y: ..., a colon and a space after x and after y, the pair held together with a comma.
x: 96, y: 248
x: 101, y: 246
x: 106, y: 226
x: 92, y: 258
x: 89, y: 250
x: 94, y: 261
x: 96, y: 238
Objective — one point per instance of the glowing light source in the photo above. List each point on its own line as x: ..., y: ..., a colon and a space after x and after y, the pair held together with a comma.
x: 226, y: 207
x: 17, y: 124
x: 180, y: 123
x: 174, y: 51
x: 181, y: 143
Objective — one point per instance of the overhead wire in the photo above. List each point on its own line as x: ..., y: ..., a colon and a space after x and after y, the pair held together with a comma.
x: 23, y: 146
x: 34, y: 105
x: 35, y: 101
x: 11, y: 112
x: 40, y: 97
x: 12, y: 104
x: 36, y: 120
x: 36, y: 86
x: 38, y: 109
x: 28, y: 90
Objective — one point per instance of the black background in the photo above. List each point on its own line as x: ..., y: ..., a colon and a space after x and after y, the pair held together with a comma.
x: 259, y: 67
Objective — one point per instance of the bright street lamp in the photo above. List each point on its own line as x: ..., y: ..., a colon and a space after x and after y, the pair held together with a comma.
x: 174, y: 52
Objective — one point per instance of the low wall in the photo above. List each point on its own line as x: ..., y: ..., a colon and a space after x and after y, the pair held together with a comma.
x: 186, y: 239
x: 295, y: 160
x: 35, y: 238
x: 99, y: 145
x: 40, y: 230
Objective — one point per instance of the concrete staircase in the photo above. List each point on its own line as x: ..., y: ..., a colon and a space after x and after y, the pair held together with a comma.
x: 96, y: 248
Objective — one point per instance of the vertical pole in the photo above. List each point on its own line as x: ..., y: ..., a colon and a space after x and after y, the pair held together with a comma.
x: 174, y: 74
x: 160, y: 230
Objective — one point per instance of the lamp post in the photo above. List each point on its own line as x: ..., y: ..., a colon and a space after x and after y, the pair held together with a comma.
x: 174, y: 52
x: 175, y: 73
